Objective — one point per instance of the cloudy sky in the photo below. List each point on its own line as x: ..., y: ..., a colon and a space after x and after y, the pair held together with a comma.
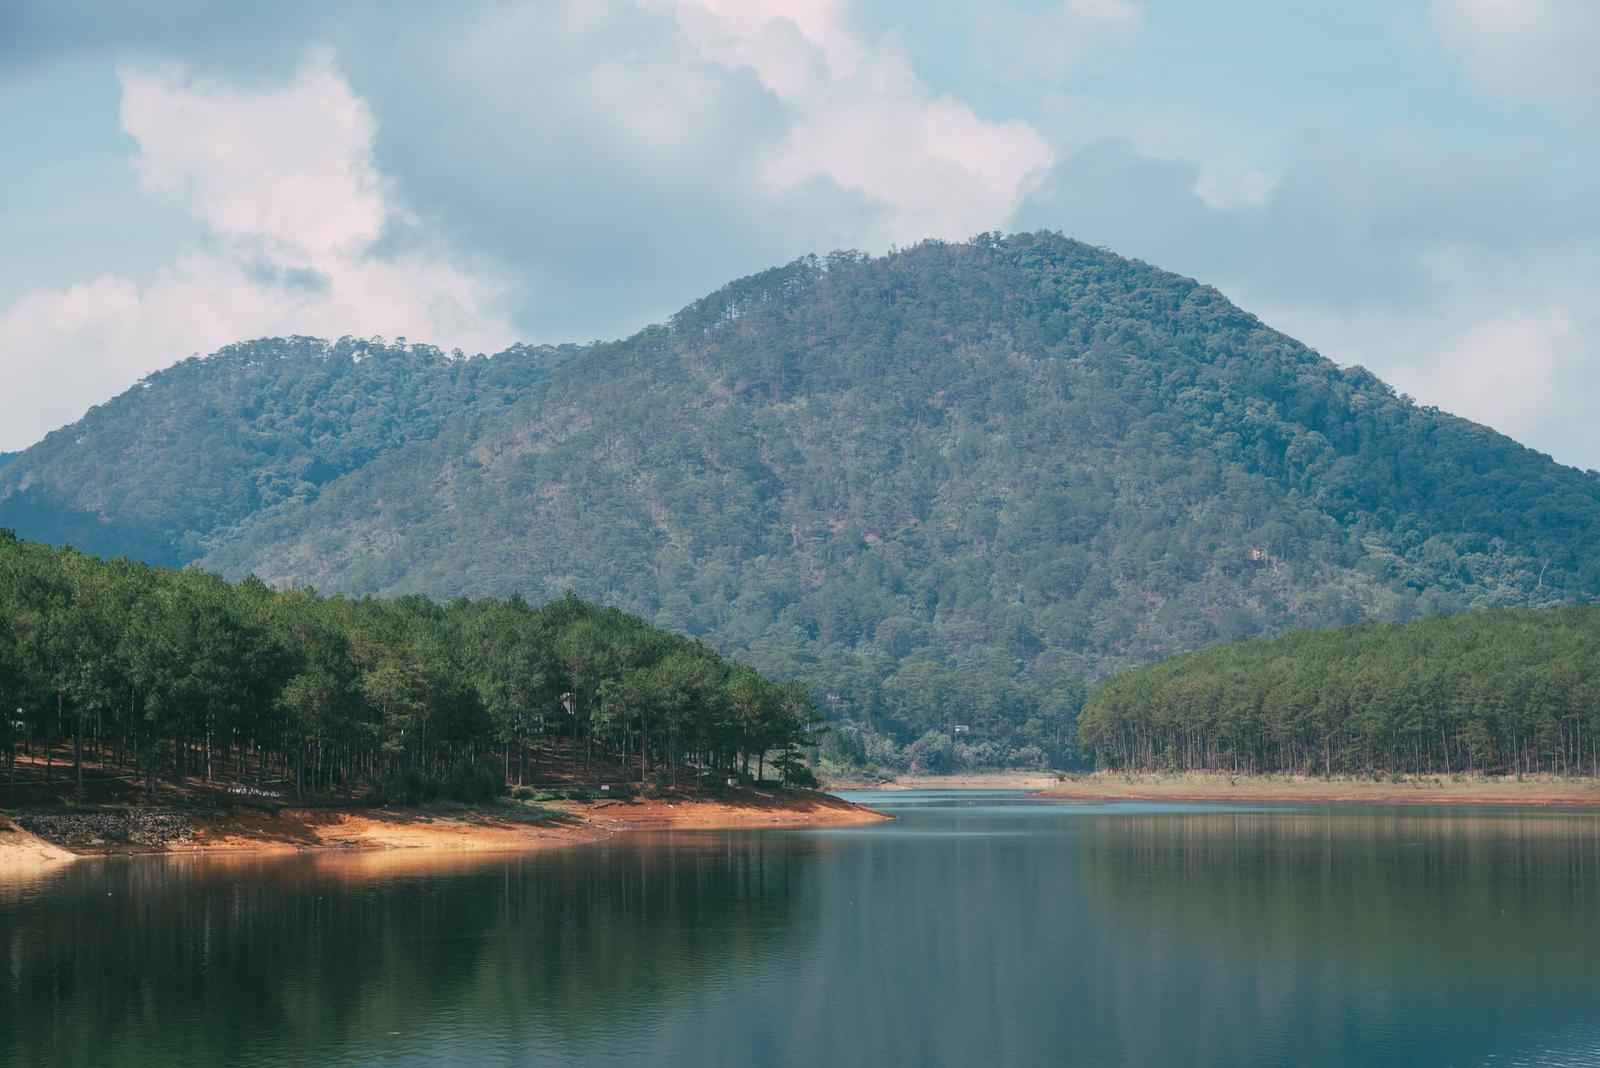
x: 1411, y: 186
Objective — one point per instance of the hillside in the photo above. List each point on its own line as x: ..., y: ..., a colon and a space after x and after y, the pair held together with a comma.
x: 194, y: 449
x: 1509, y: 690
x: 947, y: 485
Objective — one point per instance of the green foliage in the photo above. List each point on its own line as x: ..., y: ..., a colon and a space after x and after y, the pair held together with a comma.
x: 933, y: 753
x: 476, y: 781
x: 566, y: 795
x: 1507, y: 690
x: 408, y: 787
x: 181, y: 672
x: 794, y: 771
x: 470, y: 782
x: 950, y: 483
x: 196, y: 448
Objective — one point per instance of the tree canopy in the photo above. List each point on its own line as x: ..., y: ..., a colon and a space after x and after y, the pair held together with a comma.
x: 182, y: 674
x: 1500, y: 691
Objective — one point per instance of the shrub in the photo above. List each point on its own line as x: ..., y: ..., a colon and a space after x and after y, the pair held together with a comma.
x: 565, y: 795
x: 933, y: 752
x: 475, y: 782
x: 800, y: 774
x: 472, y: 782
x: 409, y: 787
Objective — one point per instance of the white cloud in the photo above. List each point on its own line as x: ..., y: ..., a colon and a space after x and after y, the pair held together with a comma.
x: 1023, y: 45
x: 1529, y: 371
x: 1516, y: 357
x: 858, y: 116
x: 793, y: 47
x: 283, y: 180
x: 1506, y: 369
x: 291, y: 166
x: 1539, y: 50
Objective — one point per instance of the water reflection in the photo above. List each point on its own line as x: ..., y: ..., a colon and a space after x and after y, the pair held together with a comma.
x: 309, y: 959
x: 1340, y: 935
x: 973, y: 930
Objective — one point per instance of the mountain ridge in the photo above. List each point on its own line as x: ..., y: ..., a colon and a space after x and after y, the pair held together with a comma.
x: 957, y: 477
x: 247, y: 429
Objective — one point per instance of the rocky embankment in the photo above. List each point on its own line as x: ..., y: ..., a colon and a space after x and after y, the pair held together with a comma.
x: 148, y: 827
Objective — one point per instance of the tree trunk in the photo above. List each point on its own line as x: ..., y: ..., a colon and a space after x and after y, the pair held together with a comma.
x: 49, y: 752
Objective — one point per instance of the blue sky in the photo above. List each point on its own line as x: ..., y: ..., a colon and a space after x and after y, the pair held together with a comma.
x: 1406, y: 186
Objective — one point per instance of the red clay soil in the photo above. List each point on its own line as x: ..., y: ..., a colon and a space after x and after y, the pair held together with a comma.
x: 291, y: 830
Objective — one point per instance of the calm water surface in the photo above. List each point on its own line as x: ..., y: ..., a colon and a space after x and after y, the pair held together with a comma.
x: 977, y: 929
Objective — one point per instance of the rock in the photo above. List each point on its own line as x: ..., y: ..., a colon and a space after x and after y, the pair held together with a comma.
x: 139, y: 826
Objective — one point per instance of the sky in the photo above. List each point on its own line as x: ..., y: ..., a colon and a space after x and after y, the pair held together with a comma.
x: 1409, y: 186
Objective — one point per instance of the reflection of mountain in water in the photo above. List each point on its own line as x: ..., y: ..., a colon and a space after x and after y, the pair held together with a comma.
x: 997, y: 931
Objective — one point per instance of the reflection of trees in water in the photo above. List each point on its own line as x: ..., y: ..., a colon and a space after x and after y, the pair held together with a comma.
x: 1352, y: 923
x: 1389, y: 883
x: 152, y: 961
x: 1334, y: 936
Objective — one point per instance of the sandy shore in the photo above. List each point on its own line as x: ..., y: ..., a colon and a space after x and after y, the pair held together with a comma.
x: 303, y: 830
x: 1463, y: 790
x: 23, y: 855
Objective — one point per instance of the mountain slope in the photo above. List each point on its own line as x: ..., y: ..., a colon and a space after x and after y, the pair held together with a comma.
x: 193, y: 449
x: 948, y: 484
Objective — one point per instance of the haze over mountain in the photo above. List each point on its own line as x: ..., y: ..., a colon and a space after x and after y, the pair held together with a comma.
x: 946, y: 484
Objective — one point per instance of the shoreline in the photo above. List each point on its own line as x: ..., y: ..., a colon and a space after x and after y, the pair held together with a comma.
x: 990, y: 780
x: 1536, y: 792
x: 249, y: 832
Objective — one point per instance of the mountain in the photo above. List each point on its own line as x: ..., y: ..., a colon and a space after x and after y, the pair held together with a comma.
x: 197, y: 448
x: 946, y: 485
x: 7, y: 457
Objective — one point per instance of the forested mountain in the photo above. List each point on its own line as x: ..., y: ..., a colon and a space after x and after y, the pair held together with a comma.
x: 194, y: 449
x: 946, y: 485
x: 1508, y: 690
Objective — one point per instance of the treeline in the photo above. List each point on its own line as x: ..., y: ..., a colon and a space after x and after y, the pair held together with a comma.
x: 1502, y: 691
x: 181, y: 674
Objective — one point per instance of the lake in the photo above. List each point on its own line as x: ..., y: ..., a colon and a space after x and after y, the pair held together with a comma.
x: 976, y: 929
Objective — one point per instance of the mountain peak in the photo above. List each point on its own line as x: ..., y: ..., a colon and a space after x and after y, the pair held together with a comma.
x: 957, y: 473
